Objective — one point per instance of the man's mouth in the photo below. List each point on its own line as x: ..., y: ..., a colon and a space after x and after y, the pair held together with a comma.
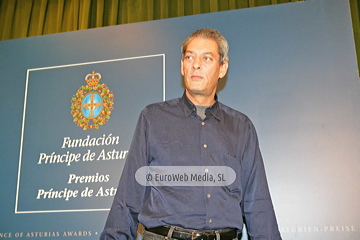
x: 196, y: 77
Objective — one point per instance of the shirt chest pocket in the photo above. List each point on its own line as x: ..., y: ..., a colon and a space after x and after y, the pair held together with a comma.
x: 171, y: 153
x: 230, y: 160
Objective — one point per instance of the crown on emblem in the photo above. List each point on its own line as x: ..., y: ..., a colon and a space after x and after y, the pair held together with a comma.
x: 93, y: 78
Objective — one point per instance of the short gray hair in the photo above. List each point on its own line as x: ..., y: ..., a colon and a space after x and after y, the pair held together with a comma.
x: 212, y: 34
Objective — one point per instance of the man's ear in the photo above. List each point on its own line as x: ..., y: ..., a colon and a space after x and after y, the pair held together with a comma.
x: 223, y: 69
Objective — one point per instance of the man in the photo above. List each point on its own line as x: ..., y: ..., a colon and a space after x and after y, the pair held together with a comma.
x: 195, y: 130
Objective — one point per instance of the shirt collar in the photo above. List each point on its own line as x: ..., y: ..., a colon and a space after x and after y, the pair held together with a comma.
x: 190, y: 108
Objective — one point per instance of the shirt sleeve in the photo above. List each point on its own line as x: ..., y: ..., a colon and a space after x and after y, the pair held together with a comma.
x: 122, y: 220
x: 256, y: 204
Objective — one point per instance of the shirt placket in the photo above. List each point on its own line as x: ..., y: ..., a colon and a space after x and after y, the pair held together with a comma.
x: 205, y: 148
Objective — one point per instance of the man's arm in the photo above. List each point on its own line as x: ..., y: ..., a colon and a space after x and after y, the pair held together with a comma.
x: 257, y: 206
x: 123, y: 216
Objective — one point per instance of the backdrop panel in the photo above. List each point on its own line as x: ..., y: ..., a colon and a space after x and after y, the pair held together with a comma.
x: 292, y: 70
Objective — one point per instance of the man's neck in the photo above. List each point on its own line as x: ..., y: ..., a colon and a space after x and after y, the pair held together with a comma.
x: 201, y: 100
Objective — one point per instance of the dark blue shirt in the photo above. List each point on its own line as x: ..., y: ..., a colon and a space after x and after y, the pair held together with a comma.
x: 170, y: 133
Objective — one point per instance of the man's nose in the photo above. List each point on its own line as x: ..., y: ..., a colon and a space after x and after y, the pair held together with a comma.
x: 196, y: 63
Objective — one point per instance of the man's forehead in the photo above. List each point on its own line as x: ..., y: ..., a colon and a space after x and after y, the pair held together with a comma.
x: 202, y: 52
x: 203, y: 45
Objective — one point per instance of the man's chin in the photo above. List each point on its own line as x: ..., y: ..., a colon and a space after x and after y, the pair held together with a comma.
x: 195, y: 91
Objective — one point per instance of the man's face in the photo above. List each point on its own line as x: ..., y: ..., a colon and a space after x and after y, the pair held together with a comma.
x: 201, y: 67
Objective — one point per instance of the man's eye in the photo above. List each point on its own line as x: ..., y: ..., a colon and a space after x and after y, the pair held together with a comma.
x: 207, y: 58
x: 188, y: 57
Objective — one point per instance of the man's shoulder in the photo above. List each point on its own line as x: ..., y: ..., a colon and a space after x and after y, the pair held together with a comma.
x: 162, y: 106
x: 234, y: 113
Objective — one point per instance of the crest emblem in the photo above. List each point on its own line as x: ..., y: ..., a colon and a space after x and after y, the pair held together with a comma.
x: 92, y: 104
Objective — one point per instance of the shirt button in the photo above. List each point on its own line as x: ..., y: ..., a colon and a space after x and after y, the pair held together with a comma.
x: 208, y: 195
x: 202, y: 123
x: 210, y: 220
x: 205, y: 146
x: 206, y: 170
